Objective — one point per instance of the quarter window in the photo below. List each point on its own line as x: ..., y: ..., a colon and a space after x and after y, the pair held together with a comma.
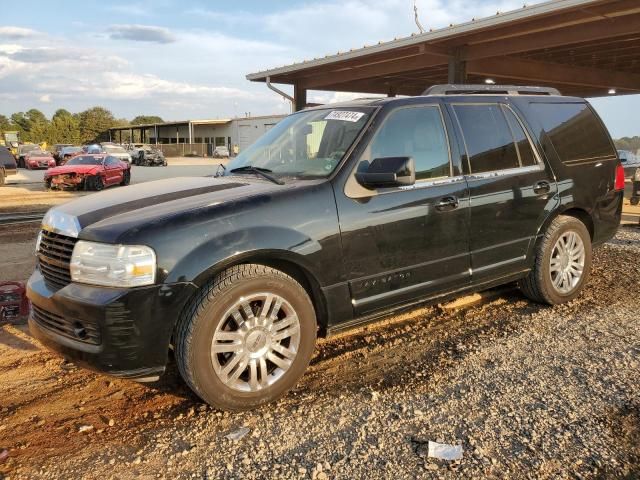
x: 525, y: 151
x: 488, y: 138
x: 574, y: 130
x: 416, y: 132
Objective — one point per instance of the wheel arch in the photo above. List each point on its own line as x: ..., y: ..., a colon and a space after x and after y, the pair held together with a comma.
x: 285, y: 261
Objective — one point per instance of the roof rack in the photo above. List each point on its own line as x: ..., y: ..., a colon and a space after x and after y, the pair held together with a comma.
x: 482, y: 89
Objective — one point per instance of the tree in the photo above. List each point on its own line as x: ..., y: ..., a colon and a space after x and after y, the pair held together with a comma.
x: 95, y: 123
x: 65, y: 128
x: 144, y: 119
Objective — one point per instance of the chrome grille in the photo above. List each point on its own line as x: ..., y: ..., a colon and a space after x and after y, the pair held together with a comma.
x: 54, y: 257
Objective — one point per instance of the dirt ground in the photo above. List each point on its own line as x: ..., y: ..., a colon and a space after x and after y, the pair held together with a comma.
x: 529, y: 391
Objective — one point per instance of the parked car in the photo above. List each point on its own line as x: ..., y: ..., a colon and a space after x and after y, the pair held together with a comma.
x: 36, y: 159
x: 92, y: 149
x: 220, y: 152
x: 7, y: 164
x: 89, y: 172
x: 118, y: 152
x: 148, y: 156
x: 14, y: 304
x: 398, y: 201
x: 22, y: 152
x: 68, y: 152
x: 57, y: 150
x: 635, y: 188
x: 629, y: 161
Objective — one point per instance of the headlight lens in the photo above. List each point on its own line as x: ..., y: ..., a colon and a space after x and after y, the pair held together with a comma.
x: 113, y: 265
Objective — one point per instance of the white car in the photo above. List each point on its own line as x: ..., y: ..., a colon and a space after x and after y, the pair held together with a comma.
x: 220, y: 152
x: 117, y: 151
x: 629, y: 161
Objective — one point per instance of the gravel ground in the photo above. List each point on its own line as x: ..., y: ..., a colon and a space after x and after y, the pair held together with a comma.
x: 528, y: 391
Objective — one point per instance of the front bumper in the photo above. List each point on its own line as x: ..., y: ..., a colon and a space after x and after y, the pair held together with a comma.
x: 121, y: 332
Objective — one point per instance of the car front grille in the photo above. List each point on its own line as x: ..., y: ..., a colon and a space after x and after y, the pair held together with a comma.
x: 54, y: 257
x: 79, y: 330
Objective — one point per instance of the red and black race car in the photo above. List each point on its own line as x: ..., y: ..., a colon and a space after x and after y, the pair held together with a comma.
x: 89, y: 172
x: 39, y: 159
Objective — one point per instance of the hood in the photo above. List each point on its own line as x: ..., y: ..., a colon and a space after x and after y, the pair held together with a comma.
x: 84, y: 169
x: 106, y: 216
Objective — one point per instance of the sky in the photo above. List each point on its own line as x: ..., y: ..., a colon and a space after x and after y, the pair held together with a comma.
x: 183, y: 59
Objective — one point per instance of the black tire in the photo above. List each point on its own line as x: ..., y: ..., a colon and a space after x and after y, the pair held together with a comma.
x: 538, y: 285
x: 634, y: 200
x: 197, y: 325
x: 20, y: 162
x: 95, y: 183
x: 126, y: 178
x: 2, y: 177
x: 47, y: 184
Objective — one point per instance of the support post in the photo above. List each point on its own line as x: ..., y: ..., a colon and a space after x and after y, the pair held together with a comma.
x: 457, y: 68
x: 155, y: 129
x: 392, y: 91
x: 300, y: 98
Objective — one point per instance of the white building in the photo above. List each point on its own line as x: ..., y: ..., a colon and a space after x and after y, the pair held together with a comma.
x: 198, y: 137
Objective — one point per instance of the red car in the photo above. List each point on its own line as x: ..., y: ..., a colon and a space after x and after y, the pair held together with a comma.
x: 39, y: 159
x: 89, y: 172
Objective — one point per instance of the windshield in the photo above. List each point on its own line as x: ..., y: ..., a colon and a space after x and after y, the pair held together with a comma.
x: 29, y: 148
x: 308, y: 144
x: 85, y: 160
x: 113, y: 149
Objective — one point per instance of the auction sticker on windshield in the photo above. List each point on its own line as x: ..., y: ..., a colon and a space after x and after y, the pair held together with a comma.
x: 344, y: 116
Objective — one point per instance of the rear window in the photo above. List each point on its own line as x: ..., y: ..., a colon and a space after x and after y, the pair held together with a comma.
x: 575, y: 132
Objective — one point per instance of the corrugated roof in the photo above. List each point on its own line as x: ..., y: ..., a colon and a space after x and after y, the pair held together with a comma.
x: 473, y: 25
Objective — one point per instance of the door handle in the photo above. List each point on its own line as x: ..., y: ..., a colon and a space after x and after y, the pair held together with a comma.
x: 542, y: 187
x: 447, y: 203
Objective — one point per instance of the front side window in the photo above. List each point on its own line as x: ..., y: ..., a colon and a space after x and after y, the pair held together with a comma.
x: 487, y: 136
x: 416, y: 132
x: 309, y: 144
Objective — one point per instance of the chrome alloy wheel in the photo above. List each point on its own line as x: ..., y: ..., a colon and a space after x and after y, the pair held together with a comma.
x: 256, y: 342
x: 567, y: 262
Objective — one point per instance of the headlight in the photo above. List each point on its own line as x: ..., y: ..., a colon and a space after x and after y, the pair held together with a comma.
x: 113, y: 265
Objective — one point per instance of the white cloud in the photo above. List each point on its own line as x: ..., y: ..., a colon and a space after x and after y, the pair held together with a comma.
x: 45, y: 98
x: 17, y: 32
x: 141, y: 33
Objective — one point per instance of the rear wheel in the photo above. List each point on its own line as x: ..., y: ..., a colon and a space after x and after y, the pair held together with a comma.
x: 2, y: 177
x: 247, y: 338
x: 563, y: 263
x: 634, y: 200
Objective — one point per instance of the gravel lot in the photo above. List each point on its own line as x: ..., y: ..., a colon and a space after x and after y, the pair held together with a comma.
x: 528, y: 391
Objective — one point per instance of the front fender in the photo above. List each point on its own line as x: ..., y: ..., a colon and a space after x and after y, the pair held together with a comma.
x: 259, y: 242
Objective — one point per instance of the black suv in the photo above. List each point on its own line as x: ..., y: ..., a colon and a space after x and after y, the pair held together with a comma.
x: 7, y: 164
x: 336, y: 216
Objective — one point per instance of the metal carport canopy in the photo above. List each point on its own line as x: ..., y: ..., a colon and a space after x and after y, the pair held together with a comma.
x: 581, y: 47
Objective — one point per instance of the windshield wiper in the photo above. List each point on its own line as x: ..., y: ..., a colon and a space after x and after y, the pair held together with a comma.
x: 264, y: 172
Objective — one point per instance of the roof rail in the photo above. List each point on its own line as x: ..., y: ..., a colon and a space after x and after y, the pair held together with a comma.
x: 482, y: 89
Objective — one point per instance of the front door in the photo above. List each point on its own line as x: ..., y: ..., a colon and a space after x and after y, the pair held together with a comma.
x: 402, y: 245
x: 511, y: 189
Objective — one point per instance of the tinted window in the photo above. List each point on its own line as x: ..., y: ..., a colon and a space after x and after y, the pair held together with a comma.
x: 85, y: 160
x: 415, y: 132
x: 112, y: 161
x: 488, y: 138
x: 574, y: 130
x: 527, y: 158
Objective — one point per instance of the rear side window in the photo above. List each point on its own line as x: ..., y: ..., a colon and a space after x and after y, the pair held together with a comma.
x: 488, y: 138
x: 416, y: 132
x: 575, y: 132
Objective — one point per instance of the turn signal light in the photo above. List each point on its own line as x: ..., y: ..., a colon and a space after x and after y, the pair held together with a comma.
x: 619, y: 183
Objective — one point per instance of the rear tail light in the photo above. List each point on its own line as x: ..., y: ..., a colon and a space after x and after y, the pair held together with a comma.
x: 619, y: 183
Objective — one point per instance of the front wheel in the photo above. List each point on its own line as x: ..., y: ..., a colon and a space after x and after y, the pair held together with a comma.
x: 634, y: 200
x: 126, y: 178
x: 246, y: 338
x: 95, y: 183
x: 563, y: 263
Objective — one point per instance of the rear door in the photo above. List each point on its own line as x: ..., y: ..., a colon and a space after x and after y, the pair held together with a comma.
x: 113, y: 170
x: 511, y: 190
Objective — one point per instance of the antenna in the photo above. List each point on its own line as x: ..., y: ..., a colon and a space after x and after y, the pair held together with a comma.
x: 415, y: 15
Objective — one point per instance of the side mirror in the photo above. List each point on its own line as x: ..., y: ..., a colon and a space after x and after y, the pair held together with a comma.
x: 388, y: 172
